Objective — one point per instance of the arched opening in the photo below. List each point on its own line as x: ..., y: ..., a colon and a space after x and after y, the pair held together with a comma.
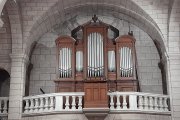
x: 4, y: 83
x: 144, y: 30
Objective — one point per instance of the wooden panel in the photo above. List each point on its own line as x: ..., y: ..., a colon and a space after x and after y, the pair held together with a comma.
x: 79, y: 86
x: 89, y: 95
x: 103, y: 95
x: 95, y: 95
x: 127, y: 85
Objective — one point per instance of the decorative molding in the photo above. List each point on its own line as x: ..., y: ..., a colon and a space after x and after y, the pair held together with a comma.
x: 24, y: 57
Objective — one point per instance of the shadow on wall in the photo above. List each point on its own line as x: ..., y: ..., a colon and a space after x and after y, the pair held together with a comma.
x: 4, y: 83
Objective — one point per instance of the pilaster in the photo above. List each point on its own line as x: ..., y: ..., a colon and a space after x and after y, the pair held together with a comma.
x: 17, y: 85
x: 174, y: 84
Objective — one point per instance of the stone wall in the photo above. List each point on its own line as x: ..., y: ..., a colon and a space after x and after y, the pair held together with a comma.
x: 43, y: 59
x: 5, y: 50
x: 5, y: 43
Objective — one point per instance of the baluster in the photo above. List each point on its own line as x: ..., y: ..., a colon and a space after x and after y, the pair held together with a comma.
x: 146, y: 102
x: 36, y: 107
x: 46, y: 104
x: 155, y: 103
x: 124, y: 102
x: 160, y: 104
x: 166, y: 104
x: 141, y: 102
x: 132, y: 102
x: 80, y: 103
x: 118, y: 102
x: 51, y: 103
x: 67, y: 103
x: 0, y: 105
x: 41, y: 105
x: 111, y: 102
x: 26, y: 108
x: 151, y: 105
x: 32, y: 105
x: 5, y: 106
x: 73, y: 102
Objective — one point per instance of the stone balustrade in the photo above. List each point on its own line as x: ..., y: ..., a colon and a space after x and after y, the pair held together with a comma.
x: 54, y: 102
x: 137, y: 101
x: 4, y: 106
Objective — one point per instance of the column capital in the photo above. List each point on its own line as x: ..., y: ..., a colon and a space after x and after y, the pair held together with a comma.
x: 24, y: 57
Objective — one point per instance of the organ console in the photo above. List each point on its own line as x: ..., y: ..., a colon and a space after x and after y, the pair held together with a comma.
x: 93, y: 62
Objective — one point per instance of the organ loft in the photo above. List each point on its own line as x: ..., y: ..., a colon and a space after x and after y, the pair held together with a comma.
x: 94, y: 60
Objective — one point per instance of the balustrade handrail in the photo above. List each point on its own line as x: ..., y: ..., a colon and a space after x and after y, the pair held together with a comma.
x: 4, y: 98
x: 139, y: 101
x: 54, y: 94
x: 53, y: 102
x: 138, y: 93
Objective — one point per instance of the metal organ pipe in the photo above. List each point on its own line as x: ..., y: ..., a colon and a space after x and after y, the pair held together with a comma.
x: 60, y: 61
x: 131, y: 63
x: 95, y: 55
x: 126, y: 67
x: 88, y: 56
x: 126, y: 58
x: 111, y: 61
x: 100, y: 56
x: 65, y: 63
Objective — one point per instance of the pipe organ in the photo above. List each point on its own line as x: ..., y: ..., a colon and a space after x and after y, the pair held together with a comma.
x: 96, y: 63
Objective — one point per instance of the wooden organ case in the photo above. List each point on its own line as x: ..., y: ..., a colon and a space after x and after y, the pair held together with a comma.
x: 96, y: 60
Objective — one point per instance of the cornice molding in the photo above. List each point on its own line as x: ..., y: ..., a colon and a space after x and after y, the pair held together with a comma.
x: 24, y: 57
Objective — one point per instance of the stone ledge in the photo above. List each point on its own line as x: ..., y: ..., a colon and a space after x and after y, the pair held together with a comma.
x: 141, y: 112
x: 96, y: 113
x: 51, y: 113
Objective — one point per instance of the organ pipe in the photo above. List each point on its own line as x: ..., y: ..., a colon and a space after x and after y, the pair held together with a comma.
x: 65, y: 63
x: 95, y: 55
x: 111, y: 61
x: 79, y: 61
x: 126, y: 65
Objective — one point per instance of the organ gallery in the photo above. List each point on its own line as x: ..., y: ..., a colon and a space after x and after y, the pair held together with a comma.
x: 95, y: 60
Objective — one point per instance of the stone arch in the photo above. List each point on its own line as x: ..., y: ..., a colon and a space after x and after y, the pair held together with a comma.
x: 2, y: 3
x: 4, y: 83
x: 60, y: 13
x: 15, y: 19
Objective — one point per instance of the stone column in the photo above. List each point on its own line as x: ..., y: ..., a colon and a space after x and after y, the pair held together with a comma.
x: 17, y: 85
x: 174, y: 84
